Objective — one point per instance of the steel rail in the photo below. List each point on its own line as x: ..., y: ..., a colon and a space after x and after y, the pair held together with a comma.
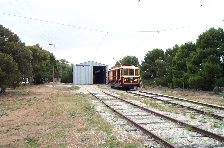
x: 176, y: 104
x: 196, y: 102
x: 196, y: 129
x: 148, y: 133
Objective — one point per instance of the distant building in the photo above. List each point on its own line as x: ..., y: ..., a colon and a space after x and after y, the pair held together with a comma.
x: 90, y: 73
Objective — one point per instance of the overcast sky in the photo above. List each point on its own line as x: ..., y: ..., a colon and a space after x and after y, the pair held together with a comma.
x: 107, y: 30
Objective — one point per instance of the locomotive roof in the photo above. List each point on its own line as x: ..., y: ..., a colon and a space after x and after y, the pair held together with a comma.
x: 125, y: 67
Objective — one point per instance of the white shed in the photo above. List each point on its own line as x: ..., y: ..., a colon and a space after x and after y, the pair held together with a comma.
x: 90, y: 73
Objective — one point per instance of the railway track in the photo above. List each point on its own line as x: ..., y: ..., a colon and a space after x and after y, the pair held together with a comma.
x: 165, y: 130
x: 202, y: 108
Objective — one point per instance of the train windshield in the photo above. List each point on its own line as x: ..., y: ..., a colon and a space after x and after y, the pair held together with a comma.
x: 125, y: 71
x: 131, y: 72
x: 136, y: 72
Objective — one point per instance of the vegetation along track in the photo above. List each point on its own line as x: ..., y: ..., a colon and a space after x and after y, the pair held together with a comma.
x: 165, y: 130
x: 202, y: 108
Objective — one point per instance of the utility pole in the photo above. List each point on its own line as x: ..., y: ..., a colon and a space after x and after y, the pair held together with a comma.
x: 53, y: 64
x: 222, y: 84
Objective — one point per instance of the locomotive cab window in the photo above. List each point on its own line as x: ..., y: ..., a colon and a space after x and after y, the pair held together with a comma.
x: 131, y: 72
x: 136, y: 72
x: 125, y: 71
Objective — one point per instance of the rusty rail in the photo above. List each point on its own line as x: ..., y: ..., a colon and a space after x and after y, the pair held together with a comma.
x: 196, y: 129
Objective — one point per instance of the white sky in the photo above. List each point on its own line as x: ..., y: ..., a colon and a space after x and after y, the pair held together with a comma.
x: 180, y: 21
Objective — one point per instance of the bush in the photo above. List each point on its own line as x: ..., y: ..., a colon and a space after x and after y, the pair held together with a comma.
x: 196, y: 82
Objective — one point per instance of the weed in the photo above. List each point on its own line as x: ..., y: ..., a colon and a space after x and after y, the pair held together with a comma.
x: 63, y: 145
x: 89, y: 110
x: 218, y: 124
x: 72, y: 114
x: 113, y: 142
x: 21, y: 91
x: 31, y: 142
x: 130, y: 145
x: 189, y: 128
x: 99, y: 124
x: 2, y: 113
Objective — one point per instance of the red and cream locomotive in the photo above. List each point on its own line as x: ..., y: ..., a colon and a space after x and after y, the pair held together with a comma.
x: 125, y: 76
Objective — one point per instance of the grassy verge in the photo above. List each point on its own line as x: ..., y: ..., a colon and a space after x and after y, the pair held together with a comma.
x: 201, y: 96
x: 152, y: 103
x: 40, y: 116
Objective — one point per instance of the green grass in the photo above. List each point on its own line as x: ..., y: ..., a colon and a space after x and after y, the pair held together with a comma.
x: 63, y: 145
x: 19, y: 91
x: 218, y: 124
x: 31, y: 142
x: 189, y: 128
x: 112, y: 142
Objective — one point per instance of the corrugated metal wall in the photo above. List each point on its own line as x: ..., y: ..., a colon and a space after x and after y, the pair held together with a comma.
x: 83, y: 72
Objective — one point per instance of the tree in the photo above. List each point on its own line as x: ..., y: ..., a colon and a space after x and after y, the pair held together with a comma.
x: 154, y: 67
x: 190, y: 65
x: 207, y: 58
x: 64, y: 70
x: 67, y: 74
x: 9, y: 73
x: 169, y: 58
x: 12, y: 45
x: 128, y: 60
x: 213, y: 38
x: 180, y: 69
x: 42, y: 63
x: 31, y: 62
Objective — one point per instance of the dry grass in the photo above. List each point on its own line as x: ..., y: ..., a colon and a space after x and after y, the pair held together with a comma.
x: 42, y: 116
x: 151, y: 103
x: 201, y: 96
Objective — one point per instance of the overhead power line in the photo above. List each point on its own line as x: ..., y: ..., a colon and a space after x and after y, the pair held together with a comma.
x: 149, y: 31
x: 62, y: 24
x: 167, y: 29
x: 57, y: 23
x: 101, y: 41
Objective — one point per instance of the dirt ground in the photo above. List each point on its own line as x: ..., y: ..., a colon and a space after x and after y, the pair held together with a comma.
x: 60, y: 116
x: 43, y: 116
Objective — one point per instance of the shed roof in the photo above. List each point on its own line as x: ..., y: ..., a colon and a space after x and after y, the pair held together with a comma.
x: 91, y: 63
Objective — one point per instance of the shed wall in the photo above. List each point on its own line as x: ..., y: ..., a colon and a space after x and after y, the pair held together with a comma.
x: 83, y: 72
